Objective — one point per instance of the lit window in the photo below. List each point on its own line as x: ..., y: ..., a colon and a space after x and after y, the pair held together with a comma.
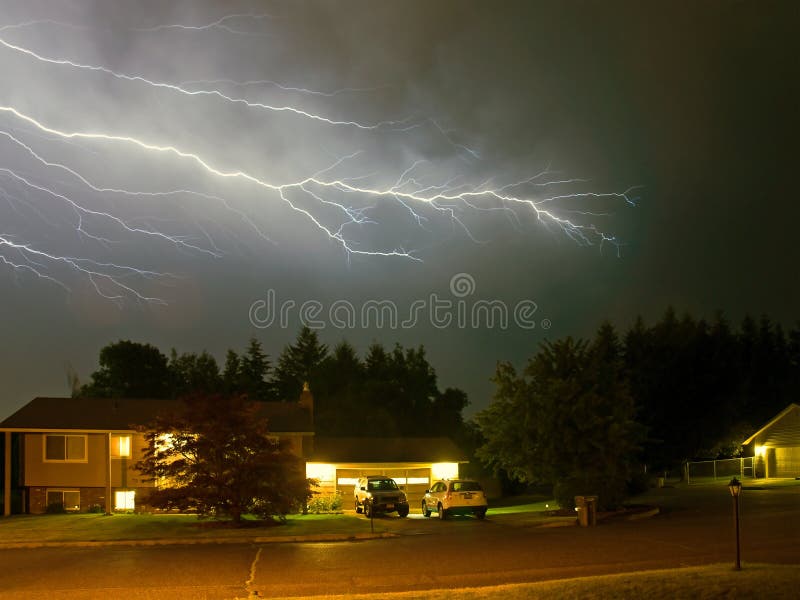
x: 65, y: 448
x: 120, y: 446
x: 123, y: 500
x: 69, y: 499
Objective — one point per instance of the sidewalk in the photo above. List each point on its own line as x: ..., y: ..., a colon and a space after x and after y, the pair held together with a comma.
x: 277, y: 539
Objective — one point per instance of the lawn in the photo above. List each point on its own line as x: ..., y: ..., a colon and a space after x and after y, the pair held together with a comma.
x: 95, y: 527
x: 527, y: 507
x: 713, y: 581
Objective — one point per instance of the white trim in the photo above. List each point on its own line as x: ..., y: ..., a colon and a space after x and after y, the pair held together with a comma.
x: 47, y: 491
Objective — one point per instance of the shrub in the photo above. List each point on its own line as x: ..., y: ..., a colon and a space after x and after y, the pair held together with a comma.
x: 325, y: 503
x: 55, y: 508
x: 96, y: 508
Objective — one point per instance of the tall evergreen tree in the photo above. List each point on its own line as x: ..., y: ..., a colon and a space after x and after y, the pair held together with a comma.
x: 299, y: 363
x: 254, y: 371
x: 230, y: 375
x: 194, y: 373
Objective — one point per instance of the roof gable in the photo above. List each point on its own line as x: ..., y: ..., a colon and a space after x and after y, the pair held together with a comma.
x: 782, y: 430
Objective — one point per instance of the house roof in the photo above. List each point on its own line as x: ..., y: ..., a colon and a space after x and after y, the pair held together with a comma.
x: 114, y: 414
x: 778, y: 433
x: 394, y: 449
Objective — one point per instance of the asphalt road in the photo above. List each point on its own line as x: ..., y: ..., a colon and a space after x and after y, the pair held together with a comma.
x: 696, y: 528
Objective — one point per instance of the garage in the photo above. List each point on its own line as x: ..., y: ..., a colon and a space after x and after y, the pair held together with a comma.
x: 412, y: 462
x: 412, y: 480
x: 776, y: 446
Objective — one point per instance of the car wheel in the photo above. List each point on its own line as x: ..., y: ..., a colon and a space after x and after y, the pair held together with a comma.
x: 442, y: 512
x: 402, y: 512
x: 425, y: 511
x: 480, y: 514
x: 358, y: 506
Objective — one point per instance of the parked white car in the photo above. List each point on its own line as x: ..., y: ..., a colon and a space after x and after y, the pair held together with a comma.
x: 455, y: 496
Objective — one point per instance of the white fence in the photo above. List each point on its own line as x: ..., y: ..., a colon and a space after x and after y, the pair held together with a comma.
x: 706, y: 471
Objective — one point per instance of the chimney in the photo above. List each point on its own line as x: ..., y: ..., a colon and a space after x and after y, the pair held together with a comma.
x: 306, y: 400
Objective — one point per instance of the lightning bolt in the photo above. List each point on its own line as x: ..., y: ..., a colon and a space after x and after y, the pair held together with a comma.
x: 398, y: 124
x: 218, y: 24
x: 332, y: 203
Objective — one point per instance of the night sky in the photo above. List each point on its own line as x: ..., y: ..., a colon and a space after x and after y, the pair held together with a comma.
x: 690, y: 108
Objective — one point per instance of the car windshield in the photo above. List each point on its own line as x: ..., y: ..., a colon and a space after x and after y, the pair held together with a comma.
x: 382, y: 484
x: 466, y: 486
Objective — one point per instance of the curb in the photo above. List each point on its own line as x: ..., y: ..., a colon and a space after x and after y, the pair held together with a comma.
x: 277, y: 539
x: 566, y: 522
x: 643, y: 515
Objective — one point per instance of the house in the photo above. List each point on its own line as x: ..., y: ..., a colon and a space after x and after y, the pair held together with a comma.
x: 82, y: 452
x: 776, y: 446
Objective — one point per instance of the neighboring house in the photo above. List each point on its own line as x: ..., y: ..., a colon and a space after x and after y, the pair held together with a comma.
x: 776, y: 446
x: 82, y: 452
x: 412, y: 462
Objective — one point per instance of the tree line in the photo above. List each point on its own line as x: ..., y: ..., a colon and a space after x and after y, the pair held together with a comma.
x: 388, y: 392
x: 590, y: 416
x: 586, y: 416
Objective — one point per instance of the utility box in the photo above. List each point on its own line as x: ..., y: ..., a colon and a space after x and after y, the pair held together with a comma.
x: 586, y: 507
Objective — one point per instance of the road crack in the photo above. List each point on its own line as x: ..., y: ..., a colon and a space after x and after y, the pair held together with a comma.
x: 248, y: 585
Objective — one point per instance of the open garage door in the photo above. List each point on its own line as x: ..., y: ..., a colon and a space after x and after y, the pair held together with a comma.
x: 413, y: 482
x: 346, y: 482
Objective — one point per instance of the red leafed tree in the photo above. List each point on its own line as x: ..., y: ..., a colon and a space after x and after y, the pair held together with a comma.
x: 216, y: 456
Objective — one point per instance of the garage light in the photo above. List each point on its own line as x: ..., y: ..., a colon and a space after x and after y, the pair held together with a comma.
x: 325, y: 472
x: 444, y: 470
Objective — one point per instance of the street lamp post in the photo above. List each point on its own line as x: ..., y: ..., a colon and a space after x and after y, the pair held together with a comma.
x: 735, y: 486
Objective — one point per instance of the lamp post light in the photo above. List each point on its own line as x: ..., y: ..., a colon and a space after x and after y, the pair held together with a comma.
x: 735, y: 486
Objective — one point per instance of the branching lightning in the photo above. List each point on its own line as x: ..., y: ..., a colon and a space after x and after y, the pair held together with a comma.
x: 340, y: 200
x: 212, y: 92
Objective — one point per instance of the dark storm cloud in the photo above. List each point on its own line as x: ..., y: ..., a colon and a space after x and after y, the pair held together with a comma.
x: 697, y: 104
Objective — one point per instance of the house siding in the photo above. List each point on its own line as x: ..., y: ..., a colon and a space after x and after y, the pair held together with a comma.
x: 89, y: 497
x: 787, y: 462
x: 84, y: 475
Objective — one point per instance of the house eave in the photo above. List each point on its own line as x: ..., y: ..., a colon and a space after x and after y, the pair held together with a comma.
x: 774, y: 420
